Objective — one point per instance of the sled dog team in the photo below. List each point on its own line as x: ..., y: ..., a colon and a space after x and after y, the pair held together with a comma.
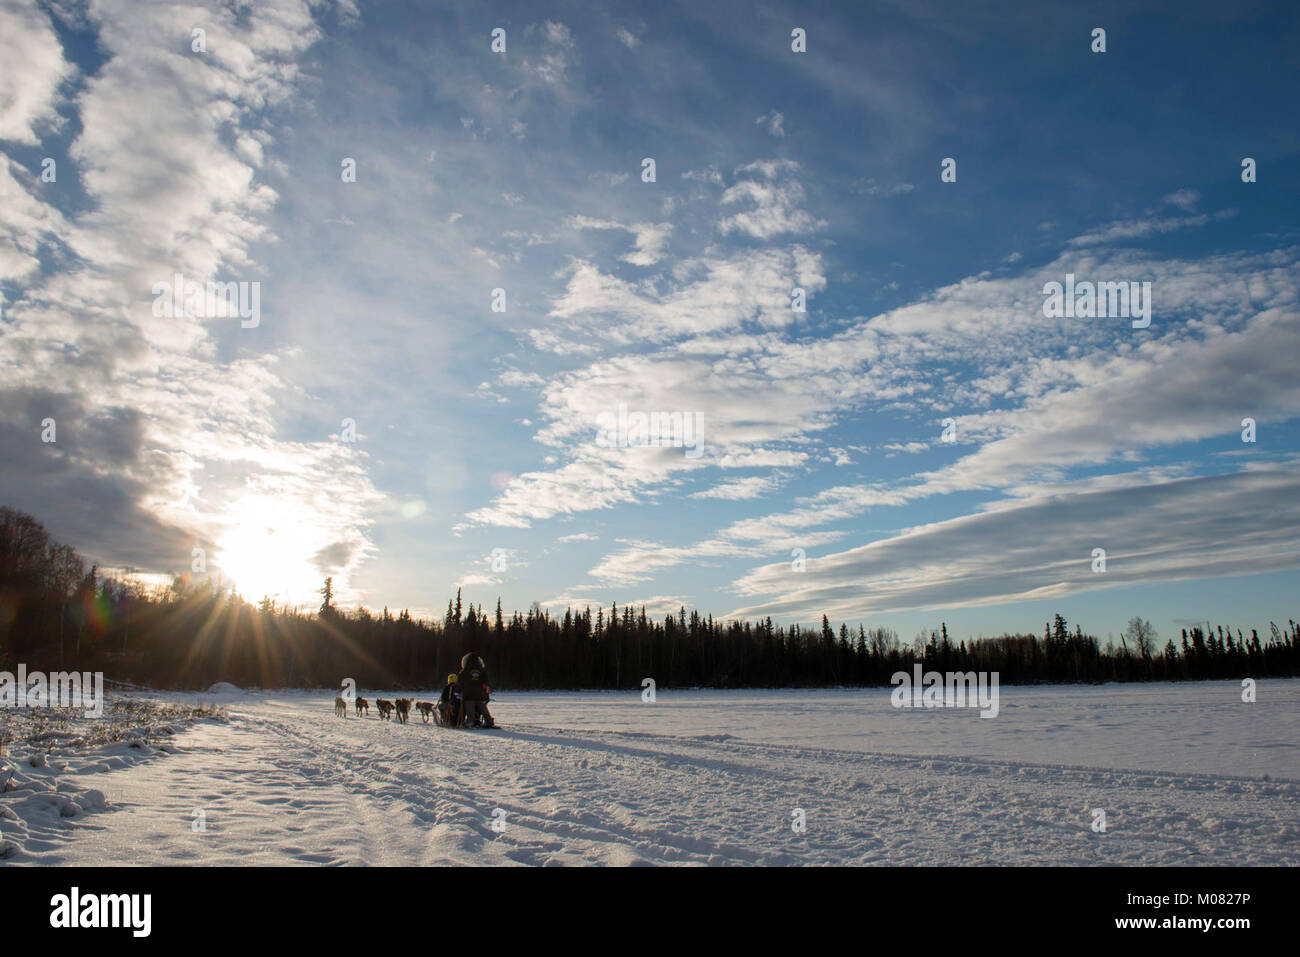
x: 463, y: 703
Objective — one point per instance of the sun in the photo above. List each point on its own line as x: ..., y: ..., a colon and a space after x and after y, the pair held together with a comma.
x: 266, y: 552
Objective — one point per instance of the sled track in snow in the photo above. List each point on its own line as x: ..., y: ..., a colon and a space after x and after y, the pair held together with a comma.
x: 439, y: 796
x: 286, y: 782
x: 574, y: 796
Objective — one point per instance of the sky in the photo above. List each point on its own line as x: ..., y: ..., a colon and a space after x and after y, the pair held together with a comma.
x: 460, y: 274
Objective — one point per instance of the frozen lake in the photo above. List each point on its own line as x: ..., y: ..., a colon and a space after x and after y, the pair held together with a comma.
x: 1180, y: 774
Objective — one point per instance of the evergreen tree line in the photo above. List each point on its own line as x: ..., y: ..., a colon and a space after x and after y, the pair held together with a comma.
x: 55, y: 614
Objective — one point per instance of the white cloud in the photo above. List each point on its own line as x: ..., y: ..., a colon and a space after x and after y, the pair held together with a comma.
x: 708, y: 175
x: 774, y: 197
x: 774, y: 122
x: 741, y: 489
x: 89, y: 329
x: 477, y: 578
x: 869, y: 187
x: 1184, y: 199
x: 649, y: 238
x: 1042, y: 547
x: 637, y: 561
x: 1065, y: 405
x: 558, y: 33
x: 34, y: 69
x: 1138, y: 229
x: 909, y: 447
x: 714, y: 295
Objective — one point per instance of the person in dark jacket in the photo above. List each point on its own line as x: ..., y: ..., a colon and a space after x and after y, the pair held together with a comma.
x: 475, y: 692
x: 449, y: 704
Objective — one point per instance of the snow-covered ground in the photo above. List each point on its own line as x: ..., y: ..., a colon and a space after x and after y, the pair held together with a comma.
x: 1185, y: 773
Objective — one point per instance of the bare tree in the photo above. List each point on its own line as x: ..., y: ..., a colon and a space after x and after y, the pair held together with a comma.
x: 1141, y: 633
x: 882, y: 641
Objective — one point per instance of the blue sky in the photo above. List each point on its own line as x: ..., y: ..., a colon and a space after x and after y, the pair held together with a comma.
x: 476, y: 461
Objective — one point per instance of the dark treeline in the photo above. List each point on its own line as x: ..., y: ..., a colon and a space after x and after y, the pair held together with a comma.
x: 55, y: 615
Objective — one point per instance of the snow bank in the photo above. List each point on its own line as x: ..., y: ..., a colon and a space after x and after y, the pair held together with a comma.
x: 225, y: 689
x: 54, y: 757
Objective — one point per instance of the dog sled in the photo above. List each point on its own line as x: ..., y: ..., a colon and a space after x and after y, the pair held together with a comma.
x: 452, y: 715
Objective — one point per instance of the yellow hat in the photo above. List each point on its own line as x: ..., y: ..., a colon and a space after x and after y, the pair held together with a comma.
x: 451, y: 679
